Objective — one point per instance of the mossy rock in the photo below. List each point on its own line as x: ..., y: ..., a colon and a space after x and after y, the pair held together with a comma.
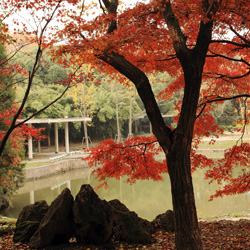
x: 25, y: 230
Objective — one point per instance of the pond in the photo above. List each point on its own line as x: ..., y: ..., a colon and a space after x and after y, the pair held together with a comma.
x: 147, y: 198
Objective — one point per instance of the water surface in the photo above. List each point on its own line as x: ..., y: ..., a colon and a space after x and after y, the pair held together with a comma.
x: 148, y: 198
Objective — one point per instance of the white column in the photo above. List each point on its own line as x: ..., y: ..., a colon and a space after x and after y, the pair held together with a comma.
x: 56, y: 138
x: 30, y: 146
x: 32, y: 197
x: 66, y: 127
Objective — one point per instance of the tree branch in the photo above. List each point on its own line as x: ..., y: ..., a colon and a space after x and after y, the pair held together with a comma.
x: 141, y: 82
x: 111, y: 6
x: 221, y: 98
x: 178, y: 38
x: 228, y: 58
x: 31, y: 77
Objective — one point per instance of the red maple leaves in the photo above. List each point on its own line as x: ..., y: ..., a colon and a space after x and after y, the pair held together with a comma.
x: 136, y: 158
x: 22, y: 131
x: 233, y: 171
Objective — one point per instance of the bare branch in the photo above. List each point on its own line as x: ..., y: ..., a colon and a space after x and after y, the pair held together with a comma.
x: 240, y: 36
x: 82, y: 8
x: 201, y: 111
x: 104, y: 12
x: 231, y: 42
x: 221, y: 98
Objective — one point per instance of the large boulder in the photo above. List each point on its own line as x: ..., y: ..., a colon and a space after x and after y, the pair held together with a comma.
x: 29, y: 220
x: 57, y: 225
x: 93, y: 217
x: 165, y: 221
x: 128, y: 227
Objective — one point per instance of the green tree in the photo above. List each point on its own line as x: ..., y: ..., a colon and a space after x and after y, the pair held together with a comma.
x: 104, y: 123
x: 226, y: 115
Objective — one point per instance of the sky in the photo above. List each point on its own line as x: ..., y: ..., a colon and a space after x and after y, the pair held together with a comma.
x: 25, y: 17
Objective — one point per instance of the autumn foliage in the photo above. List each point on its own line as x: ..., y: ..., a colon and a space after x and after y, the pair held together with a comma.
x: 204, y: 47
x: 142, y: 38
x: 136, y: 158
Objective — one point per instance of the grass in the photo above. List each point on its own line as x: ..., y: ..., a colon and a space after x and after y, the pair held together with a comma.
x: 213, y: 155
x: 230, y: 215
x: 219, y: 144
x: 7, y: 225
x: 35, y: 164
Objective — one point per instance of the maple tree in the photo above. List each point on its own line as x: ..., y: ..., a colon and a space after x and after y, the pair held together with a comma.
x: 196, y: 41
x: 178, y: 37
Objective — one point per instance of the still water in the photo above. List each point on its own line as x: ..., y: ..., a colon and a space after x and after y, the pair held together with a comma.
x: 147, y: 198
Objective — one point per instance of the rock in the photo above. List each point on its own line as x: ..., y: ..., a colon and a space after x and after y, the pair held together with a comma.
x: 4, y: 203
x: 128, y: 227
x: 93, y: 217
x: 29, y: 220
x: 57, y: 225
x: 165, y: 221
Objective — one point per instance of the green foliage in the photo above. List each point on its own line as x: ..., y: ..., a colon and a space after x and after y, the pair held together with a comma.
x: 227, y: 114
x: 42, y: 95
x: 44, y: 89
x: 7, y: 93
x: 104, y: 109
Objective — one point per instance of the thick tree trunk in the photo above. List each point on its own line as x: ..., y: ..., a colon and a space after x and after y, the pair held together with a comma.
x: 187, y: 236
x: 176, y: 145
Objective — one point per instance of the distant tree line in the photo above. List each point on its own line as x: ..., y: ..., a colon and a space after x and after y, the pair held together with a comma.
x: 101, y: 101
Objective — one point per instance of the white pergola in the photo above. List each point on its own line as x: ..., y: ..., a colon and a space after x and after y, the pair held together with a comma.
x: 65, y: 120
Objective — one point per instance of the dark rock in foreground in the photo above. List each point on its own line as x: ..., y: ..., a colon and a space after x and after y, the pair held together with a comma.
x: 93, y: 217
x: 57, y: 225
x: 128, y: 226
x: 29, y: 220
x: 165, y: 221
x: 88, y: 218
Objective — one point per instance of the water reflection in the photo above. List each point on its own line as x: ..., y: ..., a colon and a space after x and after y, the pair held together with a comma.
x: 147, y: 198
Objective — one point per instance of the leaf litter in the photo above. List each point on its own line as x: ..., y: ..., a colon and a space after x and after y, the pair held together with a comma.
x: 216, y: 235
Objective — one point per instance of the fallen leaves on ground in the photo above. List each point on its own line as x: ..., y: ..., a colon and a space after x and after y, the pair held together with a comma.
x: 223, y: 235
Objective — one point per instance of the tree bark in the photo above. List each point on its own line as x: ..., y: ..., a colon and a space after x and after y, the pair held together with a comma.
x: 187, y: 236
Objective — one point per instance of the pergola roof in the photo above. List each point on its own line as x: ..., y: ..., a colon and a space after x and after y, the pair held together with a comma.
x: 64, y: 120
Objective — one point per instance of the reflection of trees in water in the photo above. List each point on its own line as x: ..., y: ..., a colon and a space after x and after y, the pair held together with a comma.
x: 148, y: 198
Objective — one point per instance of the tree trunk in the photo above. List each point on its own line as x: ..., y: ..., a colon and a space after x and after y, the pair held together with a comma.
x: 84, y: 115
x: 176, y: 144
x: 119, y: 137
x: 187, y: 236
